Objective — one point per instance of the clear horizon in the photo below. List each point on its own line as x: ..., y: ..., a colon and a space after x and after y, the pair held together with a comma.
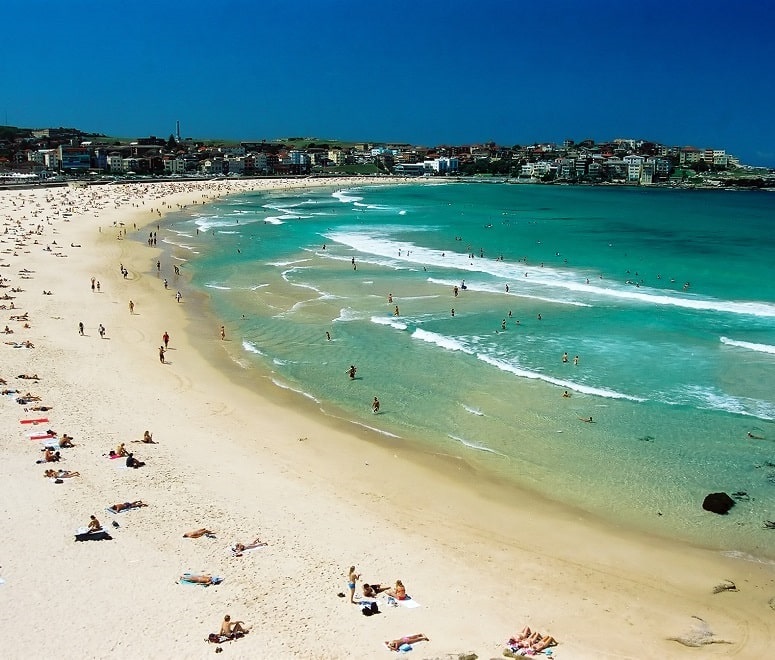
x: 429, y: 73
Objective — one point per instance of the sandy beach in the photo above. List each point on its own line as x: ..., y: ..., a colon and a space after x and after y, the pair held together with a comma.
x: 479, y: 559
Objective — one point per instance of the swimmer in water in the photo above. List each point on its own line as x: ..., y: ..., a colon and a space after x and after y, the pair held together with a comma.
x: 755, y: 437
x: 586, y: 419
x: 351, y: 372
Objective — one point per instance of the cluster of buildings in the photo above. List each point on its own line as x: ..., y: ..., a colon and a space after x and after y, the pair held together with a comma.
x: 69, y: 152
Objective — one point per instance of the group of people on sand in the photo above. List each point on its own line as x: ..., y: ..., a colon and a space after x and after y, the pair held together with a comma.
x: 372, y: 590
x: 528, y: 642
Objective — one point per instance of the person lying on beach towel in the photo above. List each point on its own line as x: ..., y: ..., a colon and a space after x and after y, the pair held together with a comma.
x: 61, y: 474
x: 239, y: 548
x: 202, y: 531
x: 403, y: 642
x: 204, y: 580
x: 125, y: 506
x: 373, y: 590
x: 528, y: 640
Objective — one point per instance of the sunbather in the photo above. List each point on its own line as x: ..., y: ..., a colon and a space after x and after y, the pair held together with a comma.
x: 121, y: 450
x: 207, y: 580
x: 239, y: 548
x: 66, y: 441
x: 372, y: 590
x: 61, y: 474
x: 148, y: 438
x: 398, y: 592
x: 229, y: 628
x: 94, y: 524
x: 203, y: 531
x: 396, y: 644
x: 50, y: 456
x: 132, y: 462
x: 123, y: 506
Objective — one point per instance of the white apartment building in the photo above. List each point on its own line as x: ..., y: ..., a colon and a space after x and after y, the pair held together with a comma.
x: 634, y: 166
x: 174, y: 165
x: 115, y: 163
x: 336, y: 156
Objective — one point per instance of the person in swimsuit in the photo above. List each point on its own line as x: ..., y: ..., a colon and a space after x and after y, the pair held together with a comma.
x: 396, y: 644
x: 123, y: 506
x: 398, y: 592
x: 202, y: 531
x: 94, y: 524
x: 229, y: 628
x: 352, y: 578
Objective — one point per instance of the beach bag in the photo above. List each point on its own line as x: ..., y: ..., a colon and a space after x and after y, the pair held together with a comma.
x: 366, y: 610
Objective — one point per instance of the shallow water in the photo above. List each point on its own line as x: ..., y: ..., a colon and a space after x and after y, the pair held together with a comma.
x: 665, y: 296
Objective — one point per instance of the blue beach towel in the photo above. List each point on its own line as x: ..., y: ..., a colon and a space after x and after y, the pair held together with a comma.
x: 183, y: 580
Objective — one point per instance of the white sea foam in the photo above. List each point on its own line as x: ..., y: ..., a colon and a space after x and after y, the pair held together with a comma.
x: 760, y: 348
x: 712, y: 399
x: 346, y: 196
x: 388, y: 320
x: 347, y: 314
x: 568, y: 385
x: 473, y: 445
x: 473, y: 411
x: 218, y: 286
x: 250, y: 347
x: 376, y: 430
x: 285, y: 386
x: 447, y: 343
x: 373, y: 241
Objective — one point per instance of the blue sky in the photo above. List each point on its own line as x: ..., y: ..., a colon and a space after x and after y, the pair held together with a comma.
x: 421, y: 71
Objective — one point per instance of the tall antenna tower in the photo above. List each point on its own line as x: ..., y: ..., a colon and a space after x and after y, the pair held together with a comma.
x: 177, y: 131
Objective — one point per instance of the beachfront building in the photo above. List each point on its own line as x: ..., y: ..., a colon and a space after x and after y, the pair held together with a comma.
x: 74, y: 159
x: 689, y: 156
x: 115, y: 163
x: 634, y: 166
x: 441, y: 165
x: 336, y: 156
x: 175, y: 165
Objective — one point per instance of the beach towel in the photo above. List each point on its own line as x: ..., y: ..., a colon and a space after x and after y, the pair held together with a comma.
x: 409, y: 602
x: 183, y: 580
x: 234, y: 553
x: 42, y: 420
x: 41, y: 436
x: 110, y: 509
x: 83, y: 534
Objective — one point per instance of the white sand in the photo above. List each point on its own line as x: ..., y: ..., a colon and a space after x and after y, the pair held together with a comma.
x: 482, y: 559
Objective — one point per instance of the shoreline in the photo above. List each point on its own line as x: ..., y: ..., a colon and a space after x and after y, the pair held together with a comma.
x: 243, y: 462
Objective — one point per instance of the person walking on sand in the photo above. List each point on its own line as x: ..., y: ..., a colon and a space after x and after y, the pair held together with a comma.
x: 352, y: 578
x: 93, y: 280
x: 166, y: 338
x: 80, y: 328
x: 161, y: 354
x: 178, y: 296
x: 131, y: 307
x: 375, y: 405
x: 102, y: 331
x: 223, y: 333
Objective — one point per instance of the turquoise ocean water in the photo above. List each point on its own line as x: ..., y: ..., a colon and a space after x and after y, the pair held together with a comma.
x: 667, y: 297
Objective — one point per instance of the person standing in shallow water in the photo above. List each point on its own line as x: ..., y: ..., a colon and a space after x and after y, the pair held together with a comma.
x: 375, y: 406
x: 351, y: 372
